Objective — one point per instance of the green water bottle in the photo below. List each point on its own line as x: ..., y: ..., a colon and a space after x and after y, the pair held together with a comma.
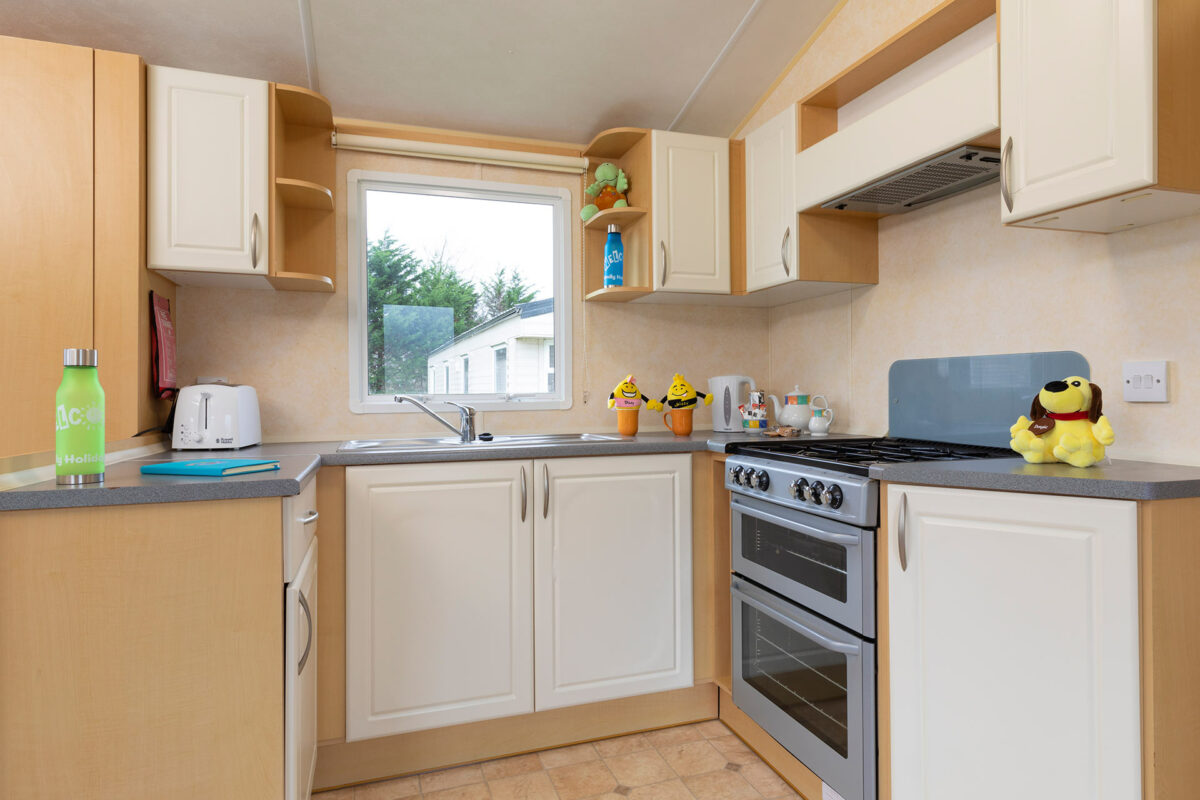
x: 79, y: 420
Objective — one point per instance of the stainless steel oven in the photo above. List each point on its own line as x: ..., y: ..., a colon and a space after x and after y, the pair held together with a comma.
x: 825, y: 565
x: 808, y: 683
x: 803, y: 615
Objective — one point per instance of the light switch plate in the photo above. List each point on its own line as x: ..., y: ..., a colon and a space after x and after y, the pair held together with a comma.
x: 1144, y: 381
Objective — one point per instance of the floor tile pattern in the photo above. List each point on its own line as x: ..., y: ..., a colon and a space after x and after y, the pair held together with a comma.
x: 704, y: 761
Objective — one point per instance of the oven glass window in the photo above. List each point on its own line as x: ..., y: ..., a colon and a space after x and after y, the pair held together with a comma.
x: 798, y: 675
x: 820, y: 566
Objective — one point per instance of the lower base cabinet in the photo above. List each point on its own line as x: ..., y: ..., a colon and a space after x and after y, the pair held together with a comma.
x: 1014, y: 667
x: 477, y: 590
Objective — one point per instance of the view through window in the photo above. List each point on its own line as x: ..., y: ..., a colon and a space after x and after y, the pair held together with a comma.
x: 460, y: 292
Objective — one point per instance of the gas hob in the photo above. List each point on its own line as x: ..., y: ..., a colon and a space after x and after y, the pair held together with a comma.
x: 830, y: 478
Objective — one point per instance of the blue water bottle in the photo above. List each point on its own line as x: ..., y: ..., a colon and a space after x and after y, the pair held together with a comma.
x: 614, y: 258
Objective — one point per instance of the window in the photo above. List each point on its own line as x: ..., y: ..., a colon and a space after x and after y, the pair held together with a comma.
x: 501, y: 369
x: 442, y: 271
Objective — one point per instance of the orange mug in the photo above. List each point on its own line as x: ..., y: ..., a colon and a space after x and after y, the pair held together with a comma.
x: 679, y: 420
x: 627, y: 421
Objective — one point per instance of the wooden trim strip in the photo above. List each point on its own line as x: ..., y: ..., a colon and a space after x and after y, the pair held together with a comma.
x: 343, y: 764
x: 914, y: 42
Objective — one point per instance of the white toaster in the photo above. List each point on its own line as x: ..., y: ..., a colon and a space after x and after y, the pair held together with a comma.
x: 216, y: 416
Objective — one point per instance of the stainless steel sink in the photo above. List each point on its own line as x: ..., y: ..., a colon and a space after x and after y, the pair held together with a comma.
x: 450, y: 443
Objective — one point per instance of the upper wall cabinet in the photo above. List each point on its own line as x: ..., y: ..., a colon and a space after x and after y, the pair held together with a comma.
x: 1091, y: 143
x: 241, y: 178
x: 208, y: 172
x: 691, y: 213
x: 72, y: 157
x: 771, y: 202
x: 676, y: 228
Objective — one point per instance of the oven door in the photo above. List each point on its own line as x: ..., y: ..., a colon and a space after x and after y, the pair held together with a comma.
x: 809, y: 684
x: 824, y: 565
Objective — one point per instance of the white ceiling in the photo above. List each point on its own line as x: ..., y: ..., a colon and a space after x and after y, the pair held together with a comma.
x: 551, y: 69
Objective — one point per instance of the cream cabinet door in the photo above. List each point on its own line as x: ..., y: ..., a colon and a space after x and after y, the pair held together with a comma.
x: 1013, y: 625
x: 690, y: 200
x: 439, y: 601
x: 1077, y: 101
x: 300, y: 678
x: 613, y: 577
x: 771, y: 202
x: 207, y: 139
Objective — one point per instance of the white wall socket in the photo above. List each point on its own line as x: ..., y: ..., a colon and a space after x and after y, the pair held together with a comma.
x: 1145, y: 381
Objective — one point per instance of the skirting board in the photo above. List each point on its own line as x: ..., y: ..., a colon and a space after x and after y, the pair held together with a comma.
x: 345, y: 763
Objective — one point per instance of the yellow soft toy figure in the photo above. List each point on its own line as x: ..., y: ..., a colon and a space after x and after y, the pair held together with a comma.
x: 627, y: 398
x: 681, y: 399
x: 1067, y: 425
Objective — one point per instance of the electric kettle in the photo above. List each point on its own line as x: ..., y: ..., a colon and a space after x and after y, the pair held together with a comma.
x: 727, y: 392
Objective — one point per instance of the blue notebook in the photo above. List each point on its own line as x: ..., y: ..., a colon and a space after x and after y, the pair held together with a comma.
x: 211, y: 467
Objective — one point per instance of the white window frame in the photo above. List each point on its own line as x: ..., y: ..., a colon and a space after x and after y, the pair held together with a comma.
x: 359, y: 182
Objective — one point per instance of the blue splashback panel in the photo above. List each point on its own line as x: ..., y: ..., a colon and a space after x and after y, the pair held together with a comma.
x: 971, y: 399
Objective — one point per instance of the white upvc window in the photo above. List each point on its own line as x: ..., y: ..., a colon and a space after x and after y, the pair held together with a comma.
x: 446, y: 271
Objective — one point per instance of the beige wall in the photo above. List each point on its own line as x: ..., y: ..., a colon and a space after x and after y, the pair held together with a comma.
x: 954, y: 281
x: 292, y: 346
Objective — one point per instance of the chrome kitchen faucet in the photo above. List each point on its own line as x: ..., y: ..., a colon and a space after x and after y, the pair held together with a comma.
x: 466, y: 429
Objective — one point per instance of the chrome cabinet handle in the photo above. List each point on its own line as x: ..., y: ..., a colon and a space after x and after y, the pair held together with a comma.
x: 308, y: 643
x: 1005, y: 189
x: 546, y: 491
x: 902, y: 532
x: 663, y: 246
x: 254, y: 241
x: 524, y: 495
x: 312, y: 516
x: 787, y: 234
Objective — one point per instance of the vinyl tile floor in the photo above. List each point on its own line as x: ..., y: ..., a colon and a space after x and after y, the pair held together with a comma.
x: 704, y: 761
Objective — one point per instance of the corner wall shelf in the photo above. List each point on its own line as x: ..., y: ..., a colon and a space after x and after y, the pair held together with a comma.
x: 296, y: 193
x: 614, y: 216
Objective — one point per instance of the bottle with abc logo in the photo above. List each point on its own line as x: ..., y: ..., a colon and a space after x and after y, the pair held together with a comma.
x: 614, y: 258
x: 79, y: 421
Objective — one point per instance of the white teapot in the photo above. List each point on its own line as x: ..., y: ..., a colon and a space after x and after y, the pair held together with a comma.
x: 796, y: 409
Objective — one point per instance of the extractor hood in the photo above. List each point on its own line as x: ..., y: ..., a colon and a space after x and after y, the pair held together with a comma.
x: 923, y: 183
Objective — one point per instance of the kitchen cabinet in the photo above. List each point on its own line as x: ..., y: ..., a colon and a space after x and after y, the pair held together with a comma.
x: 771, y: 201
x: 439, y: 594
x: 1098, y: 137
x: 690, y: 213
x: 300, y: 677
x: 142, y: 651
x: 612, y: 577
x: 71, y: 219
x: 208, y: 172
x: 1014, y: 645
x: 444, y: 563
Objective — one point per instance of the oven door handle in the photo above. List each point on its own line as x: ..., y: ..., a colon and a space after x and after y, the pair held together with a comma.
x: 847, y: 539
x: 774, y: 608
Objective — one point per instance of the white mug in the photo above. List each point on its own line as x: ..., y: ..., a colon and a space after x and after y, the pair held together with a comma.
x: 822, y: 418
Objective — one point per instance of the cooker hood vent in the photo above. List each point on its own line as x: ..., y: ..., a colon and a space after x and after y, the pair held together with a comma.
x: 921, y: 184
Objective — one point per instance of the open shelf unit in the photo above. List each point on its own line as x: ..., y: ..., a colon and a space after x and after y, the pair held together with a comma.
x: 302, y: 179
x: 629, y: 149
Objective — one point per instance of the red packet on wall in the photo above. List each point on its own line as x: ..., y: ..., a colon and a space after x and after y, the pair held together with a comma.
x: 162, y: 346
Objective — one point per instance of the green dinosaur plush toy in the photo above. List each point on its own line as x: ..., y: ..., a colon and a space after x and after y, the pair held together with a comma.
x: 609, y: 191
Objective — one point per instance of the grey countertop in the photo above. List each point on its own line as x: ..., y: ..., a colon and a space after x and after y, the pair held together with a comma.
x: 124, y: 484
x: 1116, y: 479
x: 299, y: 461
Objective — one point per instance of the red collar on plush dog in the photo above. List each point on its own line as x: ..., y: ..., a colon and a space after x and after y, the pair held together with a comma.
x: 1067, y: 416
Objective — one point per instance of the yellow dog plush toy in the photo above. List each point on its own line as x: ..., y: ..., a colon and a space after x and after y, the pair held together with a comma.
x: 1067, y: 425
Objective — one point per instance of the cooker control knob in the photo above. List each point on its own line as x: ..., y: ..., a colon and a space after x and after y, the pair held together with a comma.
x: 832, y: 496
x: 763, y: 480
x: 799, y: 489
x: 735, y: 475
x: 817, y: 492
x: 748, y: 477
